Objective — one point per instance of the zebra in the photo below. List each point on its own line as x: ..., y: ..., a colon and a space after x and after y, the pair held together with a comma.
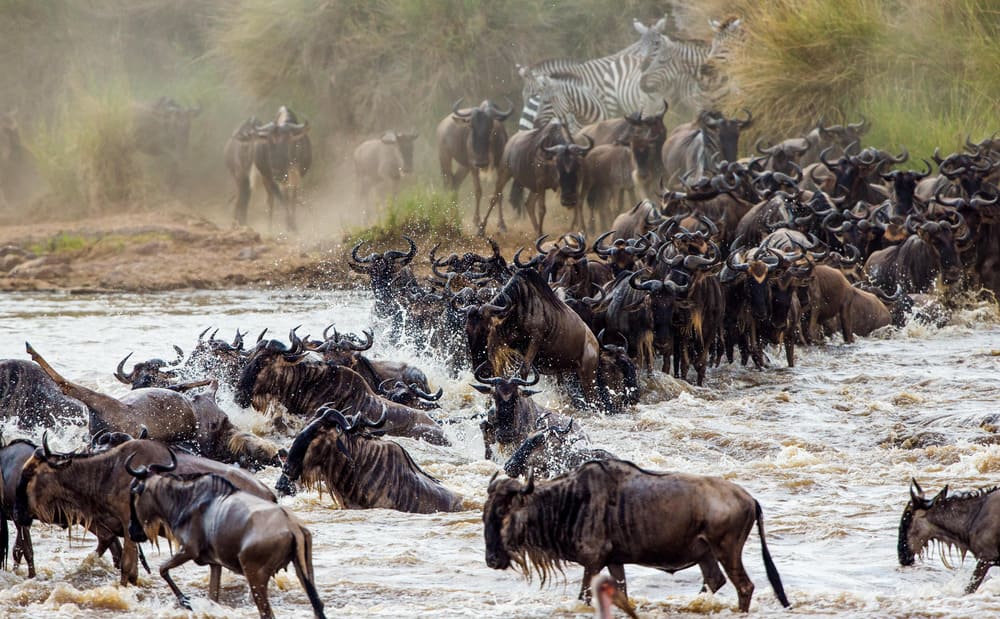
x: 565, y: 98
x: 687, y: 72
x: 614, y: 79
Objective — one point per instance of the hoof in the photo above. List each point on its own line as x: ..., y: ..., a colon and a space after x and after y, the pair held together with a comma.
x: 184, y: 602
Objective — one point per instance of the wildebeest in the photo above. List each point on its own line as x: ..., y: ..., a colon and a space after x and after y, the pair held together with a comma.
x: 28, y: 395
x: 151, y: 373
x: 281, y: 154
x: 609, y: 513
x: 383, y: 161
x: 857, y: 311
x: 360, y: 470
x: 639, y: 220
x: 13, y: 455
x: 275, y: 373
x: 474, y: 138
x: 513, y: 415
x: 608, y: 172
x: 163, y: 130
x: 916, y: 262
x: 347, y: 351
x: 93, y: 489
x: 528, y: 320
x: 550, y: 452
x: 539, y: 160
x: 694, y: 149
x: 216, y: 523
x: 171, y: 417
x: 968, y: 521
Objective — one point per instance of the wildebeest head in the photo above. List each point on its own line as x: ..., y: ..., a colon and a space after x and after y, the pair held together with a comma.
x: 267, y: 353
x: 404, y: 142
x: 940, y: 235
x: 663, y: 295
x: 915, y: 528
x: 762, y: 266
x: 140, y: 522
x: 841, y: 136
x: 382, y: 268
x: 480, y: 121
x: 567, y: 158
x: 341, y: 428
x: 149, y: 373
x: 503, y: 497
x: 506, y: 393
x: 43, y: 459
x: 409, y: 394
x: 164, y: 127
x: 728, y: 130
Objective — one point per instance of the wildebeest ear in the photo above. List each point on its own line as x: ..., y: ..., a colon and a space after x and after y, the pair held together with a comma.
x: 486, y: 389
x: 530, y: 486
x: 916, y: 492
x: 143, y: 432
x: 529, y: 392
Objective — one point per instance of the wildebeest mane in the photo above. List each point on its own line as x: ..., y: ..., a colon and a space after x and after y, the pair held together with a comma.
x: 531, y: 278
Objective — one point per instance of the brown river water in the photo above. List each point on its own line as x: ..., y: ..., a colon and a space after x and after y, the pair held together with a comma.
x: 827, y: 447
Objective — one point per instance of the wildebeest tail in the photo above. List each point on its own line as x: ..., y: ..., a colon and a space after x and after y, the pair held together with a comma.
x: 517, y: 196
x: 772, y: 572
x: 304, y: 568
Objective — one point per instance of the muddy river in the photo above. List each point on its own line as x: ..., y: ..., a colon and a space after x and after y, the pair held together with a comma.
x: 827, y: 447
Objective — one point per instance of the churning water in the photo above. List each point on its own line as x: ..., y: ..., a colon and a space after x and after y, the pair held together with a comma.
x: 827, y: 447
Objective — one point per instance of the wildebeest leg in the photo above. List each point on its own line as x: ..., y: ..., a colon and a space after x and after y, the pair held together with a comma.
x: 730, y: 554
x: 503, y: 175
x: 258, y: 579
x: 790, y: 350
x: 711, y: 574
x: 541, y: 211
x: 845, y: 324
x: 617, y: 571
x: 23, y: 548
x: 588, y: 575
x: 178, y: 559
x: 214, y: 582
x: 529, y: 205
x: 130, y: 563
x: 477, y: 188
x: 978, y: 574
x: 529, y: 356
x: 242, y: 199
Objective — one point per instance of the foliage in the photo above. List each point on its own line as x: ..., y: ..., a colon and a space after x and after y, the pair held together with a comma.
x: 420, y: 212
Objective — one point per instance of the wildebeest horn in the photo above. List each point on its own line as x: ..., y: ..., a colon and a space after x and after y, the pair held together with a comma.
x: 406, y: 257
x: 96, y: 439
x: 863, y: 125
x: 140, y: 473
x: 120, y: 371
x: 597, y: 244
x: 359, y: 421
x: 749, y: 119
x: 903, y: 156
x: 237, y: 341
x: 525, y: 265
x: 180, y: 355
x: 530, y: 486
x: 202, y: 334
x: 260, y: 337
x: 326, y: 331
x: 652, y: 285
x: 369, y: 340
x: 760, y: 149
x: 486, y: 380
x: 822, y: 157
x: 520, y: 382
x: 454, y: 109
x: 354, y: 254
x: 327, y: 415
x: 165, y: 468
x: 295, y: 340
x: 501, y: 115
x: 432, y: 397
x: 143, y: 432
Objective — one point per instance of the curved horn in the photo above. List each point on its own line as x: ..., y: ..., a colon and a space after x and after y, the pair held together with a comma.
x: 369, y: 340
x: 140, y: 473
x: 525, y: 265
x: 597, y: 244
x: 454, y: 109
x: 354, y: 254
x: 165, y: 468
x: 120, y: 371
x: 499, y: 114
x: 486, y: 380
x: 520, y: 382
x: 432, y: 397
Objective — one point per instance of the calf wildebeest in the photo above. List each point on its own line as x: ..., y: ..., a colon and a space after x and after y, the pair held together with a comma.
x: 281, y: 154
x: 644, y: 134
x: 28, y: 395
x: 383, y: 161
x: 858, y: 312
x: 360, y: 470
x: 171, y: 417
x: 474, y: 138
x: 275, y: 373
x: 968, y: 521
x: 539, y: 160
x: 216, y: 523
x: 513, y: 415
x: 609, y: 513
x: 93, y: 489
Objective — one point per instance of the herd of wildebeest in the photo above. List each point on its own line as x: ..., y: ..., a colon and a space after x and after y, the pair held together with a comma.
x: 687, y: 253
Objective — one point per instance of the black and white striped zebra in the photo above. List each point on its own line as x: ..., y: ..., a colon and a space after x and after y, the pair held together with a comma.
x: 614, y: 79
x: 688, y: 72
x: 566, y: 99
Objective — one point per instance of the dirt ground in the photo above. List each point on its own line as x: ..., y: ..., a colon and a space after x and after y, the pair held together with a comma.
x: 176, y: 248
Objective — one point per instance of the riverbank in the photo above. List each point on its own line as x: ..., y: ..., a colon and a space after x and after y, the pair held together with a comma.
x: 172, y: 249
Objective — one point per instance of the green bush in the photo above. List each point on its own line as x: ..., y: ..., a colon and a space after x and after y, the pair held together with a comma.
x: 419, y: 213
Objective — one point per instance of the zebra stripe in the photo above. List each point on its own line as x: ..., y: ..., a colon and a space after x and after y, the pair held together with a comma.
x: 529, y: 113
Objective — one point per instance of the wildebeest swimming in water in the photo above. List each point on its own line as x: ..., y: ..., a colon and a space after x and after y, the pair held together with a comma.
x: 609, y: 513
x: 968, y: 521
